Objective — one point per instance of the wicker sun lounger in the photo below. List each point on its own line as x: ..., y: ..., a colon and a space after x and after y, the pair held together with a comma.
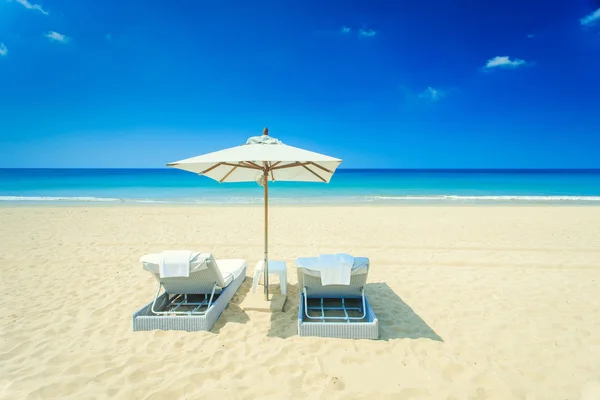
x: 341, y: 311
x: 190, y: 303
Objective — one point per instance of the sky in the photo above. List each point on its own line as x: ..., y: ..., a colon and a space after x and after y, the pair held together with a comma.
x: 380, y: 84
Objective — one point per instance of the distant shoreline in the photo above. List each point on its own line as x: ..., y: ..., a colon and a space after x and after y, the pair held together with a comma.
x: 65, y: 204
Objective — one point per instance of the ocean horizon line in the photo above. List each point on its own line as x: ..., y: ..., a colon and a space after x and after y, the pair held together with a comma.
x: 553, y: 170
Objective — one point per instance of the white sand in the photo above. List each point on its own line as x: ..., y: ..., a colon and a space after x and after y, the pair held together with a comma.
x: 473, y: 302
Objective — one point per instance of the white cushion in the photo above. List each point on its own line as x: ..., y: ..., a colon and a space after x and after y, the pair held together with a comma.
x: 231, y: 269
x: 151, y: 262
x: 311, y: 265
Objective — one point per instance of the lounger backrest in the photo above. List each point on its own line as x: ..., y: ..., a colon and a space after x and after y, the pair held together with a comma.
x: 311, y: 279
x: 200, y: 281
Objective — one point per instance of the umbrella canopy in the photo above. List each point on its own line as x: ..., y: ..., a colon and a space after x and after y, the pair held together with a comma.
x: 262, y: 159
x: 243, y: 163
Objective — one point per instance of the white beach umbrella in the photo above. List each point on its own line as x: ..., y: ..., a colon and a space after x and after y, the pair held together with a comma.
x: 262, y: 159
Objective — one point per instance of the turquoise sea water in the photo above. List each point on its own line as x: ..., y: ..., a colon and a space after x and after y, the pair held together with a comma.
x: 346, y: 186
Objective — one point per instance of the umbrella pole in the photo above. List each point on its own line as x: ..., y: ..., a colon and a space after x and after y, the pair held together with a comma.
x: 266, y: 260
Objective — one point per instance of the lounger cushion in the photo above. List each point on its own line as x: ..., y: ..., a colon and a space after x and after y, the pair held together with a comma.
x: 231, y: 269
x: 311, y: 264
x: 151, y: 262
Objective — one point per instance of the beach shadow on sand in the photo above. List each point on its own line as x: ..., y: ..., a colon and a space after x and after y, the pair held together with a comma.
x: 233, y: 313
x: 397, y: 320
x: 285, y: 324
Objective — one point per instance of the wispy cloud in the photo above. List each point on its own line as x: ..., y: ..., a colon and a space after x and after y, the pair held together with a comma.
x: 531, y: 35
x: 3, y: 49
x: 345, y: 29
x: 432, y: 94
x: 30, y: 6
x: 590, y: 19
x: 504, y: 62
x: 57, y: 37
x: 367, y: 32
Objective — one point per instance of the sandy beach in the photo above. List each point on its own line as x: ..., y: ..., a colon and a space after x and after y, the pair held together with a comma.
x: 474, y: 302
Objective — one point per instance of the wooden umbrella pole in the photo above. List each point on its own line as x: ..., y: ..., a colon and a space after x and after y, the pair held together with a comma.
x: 266, y: 260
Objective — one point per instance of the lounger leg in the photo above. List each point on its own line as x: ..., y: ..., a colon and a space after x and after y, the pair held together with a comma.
x: 211, y: 296
x: 364, y: 301
x: 156, y: 298
x: 306, y: 302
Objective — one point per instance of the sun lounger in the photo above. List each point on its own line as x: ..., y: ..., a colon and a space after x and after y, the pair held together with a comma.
x: 334, y: 310
x: 192, y: 302
x: 311, y: 285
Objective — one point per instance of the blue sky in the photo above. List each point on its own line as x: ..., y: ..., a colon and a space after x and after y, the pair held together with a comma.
x: 401, y: 84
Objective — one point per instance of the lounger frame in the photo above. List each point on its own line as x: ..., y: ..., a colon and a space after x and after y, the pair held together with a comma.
x: 322, y: 307
x: 181, y: 300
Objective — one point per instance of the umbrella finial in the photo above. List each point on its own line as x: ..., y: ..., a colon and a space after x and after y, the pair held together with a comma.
x: 266, y: 131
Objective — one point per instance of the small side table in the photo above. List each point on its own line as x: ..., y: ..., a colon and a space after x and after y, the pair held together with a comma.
x: 275, y: 268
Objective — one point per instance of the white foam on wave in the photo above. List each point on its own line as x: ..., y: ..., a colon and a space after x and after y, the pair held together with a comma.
x: 55, y: 198
x: 215, y: 200
x: 488, y: 198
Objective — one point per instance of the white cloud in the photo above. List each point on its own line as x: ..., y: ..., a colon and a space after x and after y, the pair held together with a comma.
x: 345, y: 29
x: 367, y: 33
x: 504, y: 62
x: 30, y: 6
x: 591, y: 19
x: 3, y: 49
x: 432, y: 94
x: 57, y: 37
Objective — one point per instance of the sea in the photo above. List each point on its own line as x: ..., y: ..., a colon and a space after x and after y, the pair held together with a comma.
x: 347, y: 186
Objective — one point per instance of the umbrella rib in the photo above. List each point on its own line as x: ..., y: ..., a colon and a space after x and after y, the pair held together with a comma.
x: 240, y: 164
x: 211, y: 168
x: 271, y: 171
x: 294, y: 164
x: 320, y: 167
x: 313, y: 172
x: 227, y: 175
x: 253, y: 164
